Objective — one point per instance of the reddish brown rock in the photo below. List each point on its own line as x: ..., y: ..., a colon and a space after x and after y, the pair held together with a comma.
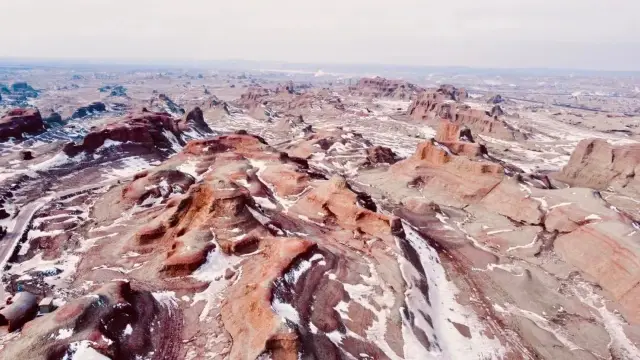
x: 432, y: 106
x: 434, y: 166
x: 99, y: 318
x: 286, y: 179
x: 509, y: 200
x: 185, y: 232
x: 333, y: 202
x: 597, y: 164
x: 195, y: 119
x: 247, y: 313
x: 20, y: 121
x: 604, y: 251
x: 381, y: 155
x: 145, y: 128
x: 159, y: 184
x: 384, y: 88
x: 458, y: 140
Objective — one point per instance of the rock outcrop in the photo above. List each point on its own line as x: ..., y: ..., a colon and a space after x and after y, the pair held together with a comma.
x: 147, y: 129
x: 91, y: 109
x: 162, y: 103
x: 195, y: 119
x: 604, y: 251
x: 53, y: 119
x: 92, y: 327
x: 384, y: 88
x: 434, y: 166
x: 598, y: 165
x: 381, y: 155
x: 432, y: 106
x: 20, y: 121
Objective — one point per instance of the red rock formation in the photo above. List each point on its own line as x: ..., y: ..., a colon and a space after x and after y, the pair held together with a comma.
x: 434, y: 166
x: 381, y: 155
x: 159, y: 184
x: 460, y: 142
x: 20, y: 121
x: 333, y: 202
x: 384, y: 88
x: 144, y: 128
x: 99, y: 319
x: 254, y: 94
x: 441, y: 104
x: 195, y: 119
x: 597, y: 164
x: 208, y: 211
x: 247, y: 313
x: 606, y: 252
x: 507, y: 199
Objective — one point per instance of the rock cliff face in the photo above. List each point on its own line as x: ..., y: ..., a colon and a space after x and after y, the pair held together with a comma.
x: 20, y: 121
x: 145, y: 129
x: 115, y: 321
x: 443, y: 103
x: 163, y: 103
x: 598, y: 165
x: 91, y: 109
x: 384, y: 88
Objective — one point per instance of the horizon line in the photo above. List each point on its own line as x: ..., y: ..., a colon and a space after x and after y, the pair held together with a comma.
x: 200, y: 63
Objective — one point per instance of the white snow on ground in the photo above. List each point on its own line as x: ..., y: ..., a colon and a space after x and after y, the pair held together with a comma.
x: 189, y: 167
x: 445, y: 310
x: 380, y: 305
x: 302, y: 267
x: 126, y: 167
x: 560, y: 205
x: 128, y: 330
x: 64, y: 334
x: 56, y: 161
x: 175, y: 144
x: 527, y: 246
x: 510, y: 268
x: 495, y: 232
x: 87, y: 244
x: 167, y: 299
x: 37, y: 233
x: 67, y: 263
x: 212, y: 271
x: 285, y: 311
x: 82, y: 350
x: 109, y: 143
x: 593, y: 217
x: 613, y: 324
x: 286, y: 203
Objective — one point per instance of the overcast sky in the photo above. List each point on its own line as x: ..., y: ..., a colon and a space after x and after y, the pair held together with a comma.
x: 587, y: 34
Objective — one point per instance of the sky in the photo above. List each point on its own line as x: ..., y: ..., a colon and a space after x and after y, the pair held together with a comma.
x: 569, y: 34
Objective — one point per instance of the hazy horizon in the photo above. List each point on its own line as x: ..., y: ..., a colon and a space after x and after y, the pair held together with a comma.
x: 494, y: 34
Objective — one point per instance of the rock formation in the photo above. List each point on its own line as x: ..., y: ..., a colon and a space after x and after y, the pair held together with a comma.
x: 383, y: 88
x: 598, y: 165
x: 162, y: 103
x: 147, y: 129
x: 195, y: 119
x: 20, y: 121
x: 114, y: 321
x: 442, y: 104
x: 91, y: 109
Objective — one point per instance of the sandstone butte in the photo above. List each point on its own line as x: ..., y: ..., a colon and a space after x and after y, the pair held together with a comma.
x: 444, y: 103
x: 20, y: 121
